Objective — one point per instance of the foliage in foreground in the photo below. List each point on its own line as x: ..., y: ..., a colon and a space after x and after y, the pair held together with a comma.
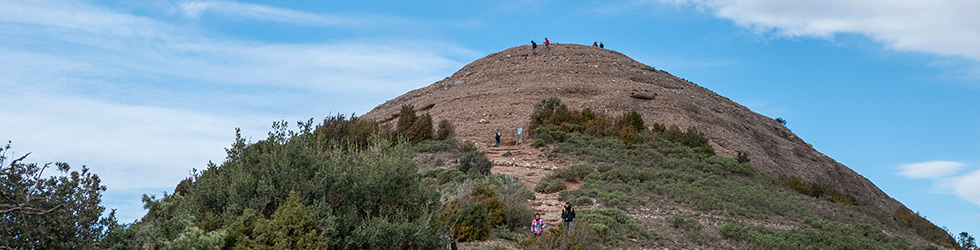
x: 50, y: 211
x: 298, y: 190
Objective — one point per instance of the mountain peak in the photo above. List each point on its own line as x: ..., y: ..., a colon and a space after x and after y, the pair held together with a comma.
x: 498, y: 92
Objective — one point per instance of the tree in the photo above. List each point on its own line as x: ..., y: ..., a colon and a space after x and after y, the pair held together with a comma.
x: 57, y: 212
x: 967, y: 242
x: 781, y: 121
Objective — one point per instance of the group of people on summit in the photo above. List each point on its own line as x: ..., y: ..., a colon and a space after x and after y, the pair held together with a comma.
x: 534, y: 46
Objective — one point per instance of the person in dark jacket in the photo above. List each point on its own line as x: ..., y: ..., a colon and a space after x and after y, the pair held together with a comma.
x: 601, y: 46
x: 534, y: 48
x: 567, y: 215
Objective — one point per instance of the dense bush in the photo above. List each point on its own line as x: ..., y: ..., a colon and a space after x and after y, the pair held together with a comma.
x: 475, y: 161
x: 314, y: 187
x: 611, y: 225
x: 471, y: 217
x: 549, y: 185
x: 340, y: 130
x: 413, y: 127
x: 445, y: 130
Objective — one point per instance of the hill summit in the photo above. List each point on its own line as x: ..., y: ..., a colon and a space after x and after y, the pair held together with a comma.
x: 498, y: 93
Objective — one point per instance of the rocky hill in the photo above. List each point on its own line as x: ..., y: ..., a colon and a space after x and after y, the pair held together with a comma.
x: 498, y: 92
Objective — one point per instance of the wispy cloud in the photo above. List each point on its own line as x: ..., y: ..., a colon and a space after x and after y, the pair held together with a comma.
x: 932, y: 169
x: 967, y: 187
x: 945, y: 178
x: 195, y: 9
x: 942, y: 27
x: 142, y: 101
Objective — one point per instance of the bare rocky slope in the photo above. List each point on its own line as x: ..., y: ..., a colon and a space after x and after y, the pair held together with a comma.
x: 498, y: 92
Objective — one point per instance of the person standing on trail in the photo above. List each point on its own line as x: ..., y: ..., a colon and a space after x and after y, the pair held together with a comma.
x: 496, y: 136
x: 546, y: 43
x: 567, y: 214
x: 601, y: 46
x: 534, y: 48
x: 594, y: 44
x: 537, y: 225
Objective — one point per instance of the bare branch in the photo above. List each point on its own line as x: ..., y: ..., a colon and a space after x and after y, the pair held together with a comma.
x: 28, y: 210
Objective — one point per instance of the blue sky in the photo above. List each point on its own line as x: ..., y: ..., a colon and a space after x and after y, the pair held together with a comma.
x: 143, y: 92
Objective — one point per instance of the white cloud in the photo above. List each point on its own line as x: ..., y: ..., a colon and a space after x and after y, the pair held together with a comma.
x: 967, y: 187
x: 942, y: 27
x: 141, y: 101
x: 929, y: 170
x: 195, y: 9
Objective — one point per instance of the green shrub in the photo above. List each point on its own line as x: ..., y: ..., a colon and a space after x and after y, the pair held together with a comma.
x: 610, y: 224
x: 742, y: 157
x: 549, y: 185
x: 471, y: 217
x: 505, y: 232
x: 446, y: 130
x: 581, y: 201
x: 573, y: 173
x: 440, y: 176
x: 413, y: 127
x: 475, y: 161
x: 817, y: 190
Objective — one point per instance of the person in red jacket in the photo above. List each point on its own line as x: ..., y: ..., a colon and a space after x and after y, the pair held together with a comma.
x: 546, y: 43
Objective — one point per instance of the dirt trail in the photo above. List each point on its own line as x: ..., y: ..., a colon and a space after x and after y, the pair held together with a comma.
x: 528, y: 165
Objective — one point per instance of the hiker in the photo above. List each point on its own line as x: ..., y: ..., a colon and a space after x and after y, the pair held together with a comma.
x: 496, y: 137
x: 567, y: 214
x: 537, y: 225
x: 594, y: 44
x: 534, y: 48
x: 601, y: 46
x: 448, y: 238
x: 546, y: 43
x: 520, y: 134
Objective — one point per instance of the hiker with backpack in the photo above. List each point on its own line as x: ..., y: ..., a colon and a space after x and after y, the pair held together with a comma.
x: 537, y: 225
x: 567, y: 214
x: 534, y: 48
x: 496, y: 136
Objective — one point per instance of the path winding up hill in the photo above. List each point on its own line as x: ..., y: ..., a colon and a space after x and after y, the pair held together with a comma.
x: 498, y: 92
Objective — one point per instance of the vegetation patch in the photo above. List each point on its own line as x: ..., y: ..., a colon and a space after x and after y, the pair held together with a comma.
x: 821, y: 234
x: 819, y: 191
